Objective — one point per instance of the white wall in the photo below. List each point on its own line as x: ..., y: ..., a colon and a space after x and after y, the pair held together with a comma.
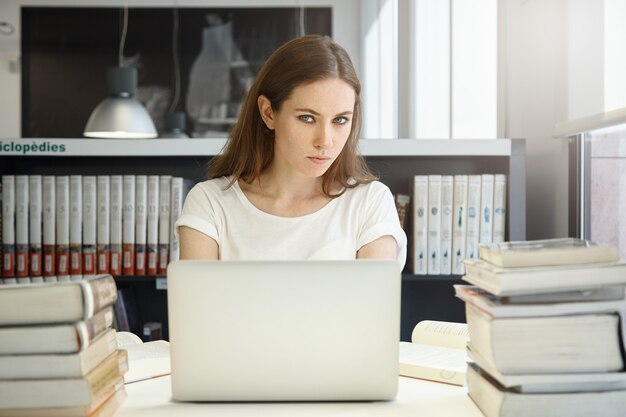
x: 536, y: 99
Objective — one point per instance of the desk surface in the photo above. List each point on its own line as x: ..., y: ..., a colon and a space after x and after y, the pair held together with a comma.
x: 152, y: 398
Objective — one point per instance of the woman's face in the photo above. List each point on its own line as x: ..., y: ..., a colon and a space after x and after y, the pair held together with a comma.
x: 311, y: 127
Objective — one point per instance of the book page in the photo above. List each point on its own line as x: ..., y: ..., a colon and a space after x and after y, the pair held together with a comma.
x: 147, y: 360
x: 433, y: 362
x: 441, y: 333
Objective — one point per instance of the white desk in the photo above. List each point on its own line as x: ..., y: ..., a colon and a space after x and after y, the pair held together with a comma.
x: 416, y: 398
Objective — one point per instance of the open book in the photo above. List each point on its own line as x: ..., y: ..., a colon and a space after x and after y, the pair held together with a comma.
x: 437, y: 352
x: 145, y: 360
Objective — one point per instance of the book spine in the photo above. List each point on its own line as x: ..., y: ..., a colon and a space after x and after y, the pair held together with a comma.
x: 420, y: 224
x: 21, y: 229
x: 49, y: 228
x: 402, y: 207
x: 141, y: 223
x: 103, y: 218
x: 165, y: 184
x: 472, y: 235
x: 99, y: 291
x: 152, y: 239
x: 116, y: 224
x: 89, y: 225
x: 486, y: 208
x: 8, y: 228
x: 76, y: 227
x: 447, y: 188
x: 93, y: 327
x: 459, y: 227
x: 35, y: 218
x: 499, y: 208
x: 434, y: 225
x: 62, y: 248
x: 128, y: 225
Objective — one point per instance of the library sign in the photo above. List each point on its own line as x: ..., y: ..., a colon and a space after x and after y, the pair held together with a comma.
x: 31, y: 147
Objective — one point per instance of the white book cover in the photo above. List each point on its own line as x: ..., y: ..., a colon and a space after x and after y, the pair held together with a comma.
x: 165, y: 191
x: 141, y: 223
x: 76, y: 227
x: 152, y: 239
x: 89, y: 225
x: 499, y: 208
x: 434, y: 225
x: 103, y: 219
x: 447, y: 192
x: 35, y: 215
x: 63, y: 228
x: 21, y: 229
x: 472, y: 234
x: 486, y: 208
x: 420, y: 224
x: 179, y: 189
x: 459, y: 219
x: 8, y: 228
x: 116, y: 224
x: 128, y: 225
x: 49, y: 228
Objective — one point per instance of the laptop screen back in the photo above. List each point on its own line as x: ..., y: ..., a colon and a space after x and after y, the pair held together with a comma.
x: 284, y: 330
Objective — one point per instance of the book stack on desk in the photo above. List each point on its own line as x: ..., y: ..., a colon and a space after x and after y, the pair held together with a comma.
x: 58, y: 350
x: 545, y: 328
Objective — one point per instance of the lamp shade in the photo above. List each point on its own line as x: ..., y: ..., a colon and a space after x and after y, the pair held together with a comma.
x: 120, y: 115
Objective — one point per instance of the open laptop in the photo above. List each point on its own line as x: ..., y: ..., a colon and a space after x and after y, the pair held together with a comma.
x: 284, y: 330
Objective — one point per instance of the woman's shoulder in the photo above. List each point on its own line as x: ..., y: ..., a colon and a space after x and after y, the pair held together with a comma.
x: 372, y: 188
x: 214, y: 184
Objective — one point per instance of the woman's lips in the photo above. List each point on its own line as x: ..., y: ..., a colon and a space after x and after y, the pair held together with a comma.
x: 320, y: 160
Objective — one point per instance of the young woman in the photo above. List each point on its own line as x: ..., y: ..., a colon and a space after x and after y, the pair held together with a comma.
x: 290, y: 183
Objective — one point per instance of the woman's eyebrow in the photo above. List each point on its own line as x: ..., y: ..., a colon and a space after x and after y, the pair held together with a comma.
x: 313, y: 112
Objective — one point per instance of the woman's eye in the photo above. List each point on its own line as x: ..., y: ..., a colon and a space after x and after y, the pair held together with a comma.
x: 306, y: 118
x: 341, y: 120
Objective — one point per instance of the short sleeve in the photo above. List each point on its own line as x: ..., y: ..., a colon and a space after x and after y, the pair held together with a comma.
x: 199, y: 212
x: 380, y: 218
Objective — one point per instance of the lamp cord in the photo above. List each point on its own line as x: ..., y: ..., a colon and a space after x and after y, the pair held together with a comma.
x: 123, y: 38
x: 176, y: 62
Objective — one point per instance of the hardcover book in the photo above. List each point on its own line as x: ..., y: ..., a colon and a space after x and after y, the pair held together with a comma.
x: 547, y: 252
x: 56, y: 303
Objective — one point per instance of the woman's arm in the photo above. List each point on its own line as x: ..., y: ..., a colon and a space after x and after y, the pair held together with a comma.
x: 197, y: 245
x: 385, y: 247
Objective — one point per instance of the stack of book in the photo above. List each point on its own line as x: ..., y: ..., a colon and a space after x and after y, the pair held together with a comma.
x: 58, y: 353
x: 544, y: 320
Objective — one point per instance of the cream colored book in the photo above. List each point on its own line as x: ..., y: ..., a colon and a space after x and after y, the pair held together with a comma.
x: 91, y: 389
x: 437, y: 352
x: 547, y: 344
x: 63, y: 365
x: 547, y: 252
x: 496, y: 401
x: 543, y: 279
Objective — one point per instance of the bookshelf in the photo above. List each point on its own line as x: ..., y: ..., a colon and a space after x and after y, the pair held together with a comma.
x: 395, y: 161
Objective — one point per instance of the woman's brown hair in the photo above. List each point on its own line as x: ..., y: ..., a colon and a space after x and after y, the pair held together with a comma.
x: 250, y: 147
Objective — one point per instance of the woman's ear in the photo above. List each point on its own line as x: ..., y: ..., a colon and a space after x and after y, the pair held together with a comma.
x: 267, y: 113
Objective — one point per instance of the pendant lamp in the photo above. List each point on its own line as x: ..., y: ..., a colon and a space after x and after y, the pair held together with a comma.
x: 120, y: 116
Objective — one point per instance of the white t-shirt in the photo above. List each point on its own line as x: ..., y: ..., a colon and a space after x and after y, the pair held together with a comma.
x: 336, y: 231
